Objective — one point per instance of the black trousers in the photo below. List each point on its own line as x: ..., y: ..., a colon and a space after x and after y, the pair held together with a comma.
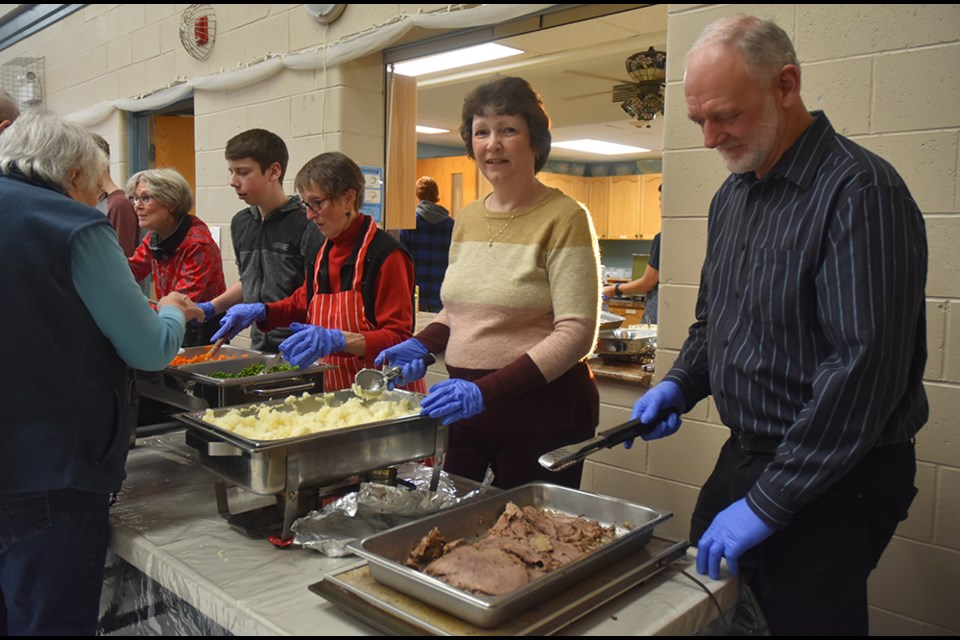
x: 811, y: 577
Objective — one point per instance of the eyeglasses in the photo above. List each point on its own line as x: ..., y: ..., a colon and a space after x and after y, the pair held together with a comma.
x: 144, y: 199
x: 316, y: 205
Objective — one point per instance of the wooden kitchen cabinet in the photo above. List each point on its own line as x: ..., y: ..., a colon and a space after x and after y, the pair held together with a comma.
x: 622, y: 207
x: 630, y: 311
x: 574, y: 186
x: 623, y: 212
x: 633, y: 212
x: 591, y: 192
x: 598, y: 201
x: 650, y: 205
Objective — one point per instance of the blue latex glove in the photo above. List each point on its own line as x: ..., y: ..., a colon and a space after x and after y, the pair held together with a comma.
x: 408, y: 355
x: 208, y: 310
x: 452, y: 400
x: 663, y: 397
x: 309, y: 343
x: 238, y: 318
x: 735, y: 530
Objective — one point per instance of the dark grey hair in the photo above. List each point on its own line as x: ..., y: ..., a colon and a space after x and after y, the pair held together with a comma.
x: 333, y: 172
x: 42, y: 145
x: 166, y: 185
x: 765, y: 47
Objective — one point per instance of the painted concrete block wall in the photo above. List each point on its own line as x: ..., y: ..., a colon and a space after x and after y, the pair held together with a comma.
x: 885, y: 74
x: 107, y: 52
x: 886, y: 77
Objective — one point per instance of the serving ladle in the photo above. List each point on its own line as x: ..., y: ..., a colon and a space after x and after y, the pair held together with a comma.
x: 370, y: 383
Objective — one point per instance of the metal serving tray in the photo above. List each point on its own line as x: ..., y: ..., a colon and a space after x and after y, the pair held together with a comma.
x: 626, y: 341
x: 272, y: 466
x: 386, y: 552
x: 230, y: 353
x: 196, y: 379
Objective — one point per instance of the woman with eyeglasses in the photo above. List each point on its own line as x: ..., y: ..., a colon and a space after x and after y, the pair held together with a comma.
x: 359, y: 299
x: 178, y: 251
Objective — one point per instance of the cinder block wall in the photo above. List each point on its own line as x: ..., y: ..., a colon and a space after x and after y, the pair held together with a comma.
x: 885, y: 74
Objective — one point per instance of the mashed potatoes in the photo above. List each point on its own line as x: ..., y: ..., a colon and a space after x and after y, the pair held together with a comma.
x: 301, y: 416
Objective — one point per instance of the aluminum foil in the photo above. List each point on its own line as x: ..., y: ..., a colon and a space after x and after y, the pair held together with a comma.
x: 378, y: 507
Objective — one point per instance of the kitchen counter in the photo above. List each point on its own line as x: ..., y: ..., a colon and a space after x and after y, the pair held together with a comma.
x: 631, y: 303
x: 171, y: 548
x: 621, y: 371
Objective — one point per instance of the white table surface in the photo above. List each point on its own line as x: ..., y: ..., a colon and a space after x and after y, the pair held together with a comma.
x: 166, y: 525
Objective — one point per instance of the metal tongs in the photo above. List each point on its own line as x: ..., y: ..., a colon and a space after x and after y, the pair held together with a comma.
x: 560, y: 459
x: 271, y: 363
x: 373, y: 382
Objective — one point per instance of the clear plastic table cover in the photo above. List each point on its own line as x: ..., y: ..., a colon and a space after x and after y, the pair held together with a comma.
x: 176, y: 567
x: 215, y: 579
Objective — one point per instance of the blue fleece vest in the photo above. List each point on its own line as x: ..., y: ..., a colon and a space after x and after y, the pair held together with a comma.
x: 65, y: 416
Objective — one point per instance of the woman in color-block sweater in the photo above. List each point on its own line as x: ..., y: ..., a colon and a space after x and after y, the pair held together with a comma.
x: 520, y: 299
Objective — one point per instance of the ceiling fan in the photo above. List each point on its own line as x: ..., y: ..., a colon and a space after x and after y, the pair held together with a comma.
x: 641, y: 97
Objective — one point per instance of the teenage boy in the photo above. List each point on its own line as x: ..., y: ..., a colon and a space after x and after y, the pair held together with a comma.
x: 274, y: 243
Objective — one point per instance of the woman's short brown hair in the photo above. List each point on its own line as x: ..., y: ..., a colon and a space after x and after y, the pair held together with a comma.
x: 510, y: 96
x: 333, y: 172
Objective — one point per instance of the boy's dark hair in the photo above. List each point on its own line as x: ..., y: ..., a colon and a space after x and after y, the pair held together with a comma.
x: 264, y: 147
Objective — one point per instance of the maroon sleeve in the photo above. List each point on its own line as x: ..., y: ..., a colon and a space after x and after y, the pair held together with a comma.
x: 516, y: 379
x: 434, y: 337
x: 124, y: 220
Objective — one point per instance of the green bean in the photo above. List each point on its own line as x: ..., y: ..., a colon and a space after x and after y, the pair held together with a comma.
x: 252, y: 370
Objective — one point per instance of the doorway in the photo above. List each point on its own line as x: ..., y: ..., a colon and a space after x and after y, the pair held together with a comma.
x: 165, y: 138
x: 576, y: 61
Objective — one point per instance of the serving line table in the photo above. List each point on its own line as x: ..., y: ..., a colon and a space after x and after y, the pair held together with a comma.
x: 172, y: 555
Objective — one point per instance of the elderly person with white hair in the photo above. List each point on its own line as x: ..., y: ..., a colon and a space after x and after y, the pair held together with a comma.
x: 78, y: 323
x: 179, y: 251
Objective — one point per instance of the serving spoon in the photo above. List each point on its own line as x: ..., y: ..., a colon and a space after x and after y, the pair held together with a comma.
x: 370, y: 383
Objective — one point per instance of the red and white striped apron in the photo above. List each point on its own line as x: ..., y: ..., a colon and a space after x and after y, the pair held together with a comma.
x: 345, y: 311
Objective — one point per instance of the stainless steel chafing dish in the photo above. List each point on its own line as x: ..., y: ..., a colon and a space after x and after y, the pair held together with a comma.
x: 330, y: 459
x: 193, y: 387
x: 386, y: 552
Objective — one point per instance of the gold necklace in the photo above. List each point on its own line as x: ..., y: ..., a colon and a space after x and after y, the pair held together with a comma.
x: 491, y: 238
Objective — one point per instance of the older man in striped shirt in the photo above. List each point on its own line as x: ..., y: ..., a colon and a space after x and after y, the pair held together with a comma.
x: 810, y: 335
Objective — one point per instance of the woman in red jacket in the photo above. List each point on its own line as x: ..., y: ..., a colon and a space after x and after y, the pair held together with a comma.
x: 359, y: 299
x: 178, y: 251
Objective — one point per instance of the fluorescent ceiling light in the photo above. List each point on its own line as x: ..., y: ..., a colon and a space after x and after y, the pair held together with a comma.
x: 453, y: 59
x: 424, y: 129
x: 599, y: 146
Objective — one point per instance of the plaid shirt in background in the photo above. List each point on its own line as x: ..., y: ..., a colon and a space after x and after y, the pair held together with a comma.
x: 429, y: 245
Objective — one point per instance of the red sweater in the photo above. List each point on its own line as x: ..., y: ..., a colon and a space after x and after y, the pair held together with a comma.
x: 195, y: 269
x: 394, y: 307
